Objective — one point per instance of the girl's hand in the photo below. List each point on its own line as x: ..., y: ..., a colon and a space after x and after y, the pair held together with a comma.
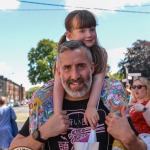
x: 135, y: 107
x: 91, y: 116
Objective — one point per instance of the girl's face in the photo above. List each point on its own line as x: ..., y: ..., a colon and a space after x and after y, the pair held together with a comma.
x: 86, y: 35
x: 139, y: 89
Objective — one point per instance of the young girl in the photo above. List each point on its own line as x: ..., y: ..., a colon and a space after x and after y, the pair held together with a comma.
x: 81, y: 25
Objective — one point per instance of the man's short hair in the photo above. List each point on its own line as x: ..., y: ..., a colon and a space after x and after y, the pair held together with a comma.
x: 72, y: 45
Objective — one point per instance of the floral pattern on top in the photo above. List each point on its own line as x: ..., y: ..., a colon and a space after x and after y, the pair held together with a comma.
x: 41, y: 105
x: 113, y: 95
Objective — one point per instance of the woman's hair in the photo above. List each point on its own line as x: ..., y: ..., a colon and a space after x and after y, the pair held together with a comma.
x: 2, y: 100
x: 86, y: 19
x: 146, y: 83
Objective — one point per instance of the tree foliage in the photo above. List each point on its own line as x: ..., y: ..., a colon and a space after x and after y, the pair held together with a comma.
x: 137, y: 58
x: 41, y: 60
x: 30, y: 92
x: 117, y: 76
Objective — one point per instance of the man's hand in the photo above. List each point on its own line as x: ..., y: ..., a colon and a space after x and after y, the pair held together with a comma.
x: 55, y: 125
x: 91, y: 116
x: 120, y: 129
x: 117, y: 126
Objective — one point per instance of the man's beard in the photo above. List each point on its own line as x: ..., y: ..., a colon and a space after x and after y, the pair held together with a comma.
x: 78, y: 92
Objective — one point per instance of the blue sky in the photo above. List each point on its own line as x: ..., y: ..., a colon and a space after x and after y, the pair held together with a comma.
x: 23, y: 25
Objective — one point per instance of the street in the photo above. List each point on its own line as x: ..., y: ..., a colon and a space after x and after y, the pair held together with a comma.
x: 22, y: 113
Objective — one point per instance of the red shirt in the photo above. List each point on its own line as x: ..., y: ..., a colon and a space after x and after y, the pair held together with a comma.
x: 139, y: 122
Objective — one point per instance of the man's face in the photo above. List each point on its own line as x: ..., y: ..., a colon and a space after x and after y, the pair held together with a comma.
x: 76, y: 73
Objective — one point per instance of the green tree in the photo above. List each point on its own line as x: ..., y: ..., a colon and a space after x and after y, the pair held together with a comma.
x: 30, y: 92
x: 137, y: 59
x: 41, y: 61
x: 117, y: 76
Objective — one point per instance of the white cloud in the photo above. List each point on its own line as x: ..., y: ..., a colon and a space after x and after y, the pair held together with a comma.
x: 9, y: 4
x: 114, y: 57
x: 102, y: 4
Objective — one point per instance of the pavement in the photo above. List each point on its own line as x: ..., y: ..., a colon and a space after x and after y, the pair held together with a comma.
x: 21, y: 118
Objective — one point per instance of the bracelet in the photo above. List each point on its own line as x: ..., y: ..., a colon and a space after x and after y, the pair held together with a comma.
x: 144, y: 109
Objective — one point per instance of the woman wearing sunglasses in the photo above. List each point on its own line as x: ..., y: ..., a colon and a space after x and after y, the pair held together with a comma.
x: 140, y: 105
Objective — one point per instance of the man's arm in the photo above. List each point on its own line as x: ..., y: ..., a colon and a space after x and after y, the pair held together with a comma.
x: 22, y: 141
x: 120, y: 129
x: 55, y: 125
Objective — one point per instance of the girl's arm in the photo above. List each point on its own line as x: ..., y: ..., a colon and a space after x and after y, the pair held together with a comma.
x: 58, y: 94
x: 91, y: 114
x: 96, y: 89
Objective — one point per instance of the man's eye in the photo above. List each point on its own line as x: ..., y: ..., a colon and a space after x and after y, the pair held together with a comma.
x: 81, y: 66
x: 67, y: 68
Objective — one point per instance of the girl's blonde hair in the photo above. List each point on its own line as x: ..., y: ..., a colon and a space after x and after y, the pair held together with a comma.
x: 86, y: 19
x: 146, y: 83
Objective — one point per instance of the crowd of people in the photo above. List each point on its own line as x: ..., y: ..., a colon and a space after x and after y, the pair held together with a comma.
x: 64, y: 110
x: 75, y: 67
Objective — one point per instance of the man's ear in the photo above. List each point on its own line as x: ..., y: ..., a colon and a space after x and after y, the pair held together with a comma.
x: 68, y: 35
x: 58, y: 71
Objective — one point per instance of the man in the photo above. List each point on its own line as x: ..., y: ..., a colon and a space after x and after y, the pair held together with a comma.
x: 75, y: 70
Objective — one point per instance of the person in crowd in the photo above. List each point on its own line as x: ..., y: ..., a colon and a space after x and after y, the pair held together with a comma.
x: 75, y: 68
x: 129, y: 92
x: 6, y: 114
x: 140, y: 105
x: 81, y: 25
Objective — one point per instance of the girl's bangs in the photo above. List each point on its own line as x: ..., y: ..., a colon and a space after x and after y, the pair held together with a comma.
x: 85, y: 22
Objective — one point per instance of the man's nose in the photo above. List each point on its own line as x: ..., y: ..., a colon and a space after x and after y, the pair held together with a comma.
x: 75, y: 74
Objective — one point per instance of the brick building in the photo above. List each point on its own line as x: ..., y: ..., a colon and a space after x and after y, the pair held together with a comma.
x: 11, y: 90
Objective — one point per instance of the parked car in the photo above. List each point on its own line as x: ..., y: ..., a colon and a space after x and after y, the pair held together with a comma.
x: 26, y: 101
x: 10, y: 104
x: 23, y: 102
x: 17, y: 104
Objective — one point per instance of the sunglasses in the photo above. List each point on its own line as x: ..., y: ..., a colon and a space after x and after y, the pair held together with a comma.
x: 138, y: 86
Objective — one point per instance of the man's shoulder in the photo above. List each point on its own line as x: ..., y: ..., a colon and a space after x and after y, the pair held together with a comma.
x: 111, y: 81
x: 43, y: 91
x: 113, y: 84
